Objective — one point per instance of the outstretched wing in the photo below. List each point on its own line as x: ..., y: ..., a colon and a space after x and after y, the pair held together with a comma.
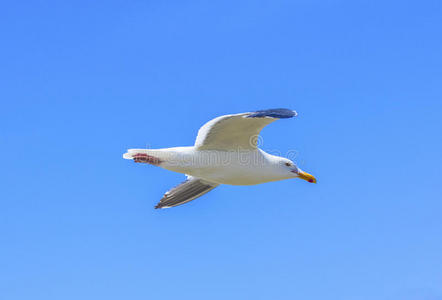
x: 187, y: 191
x: 239, y: 131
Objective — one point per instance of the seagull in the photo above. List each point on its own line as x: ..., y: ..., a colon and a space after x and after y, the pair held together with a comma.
x: 225, y: 152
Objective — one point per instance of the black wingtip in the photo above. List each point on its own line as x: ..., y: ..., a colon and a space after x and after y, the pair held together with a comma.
x: 278, y: 113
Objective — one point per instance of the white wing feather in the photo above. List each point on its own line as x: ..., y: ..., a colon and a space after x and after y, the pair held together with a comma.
x: 238, y: 131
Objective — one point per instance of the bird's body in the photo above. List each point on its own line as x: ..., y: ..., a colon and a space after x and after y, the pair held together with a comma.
x: 225, y: 152
x: 242, y: 167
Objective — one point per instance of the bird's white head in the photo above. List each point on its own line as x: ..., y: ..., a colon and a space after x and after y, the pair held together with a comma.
x: 292, y: 171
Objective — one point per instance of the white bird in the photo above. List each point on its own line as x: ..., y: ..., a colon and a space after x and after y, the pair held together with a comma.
x: 225, y: 152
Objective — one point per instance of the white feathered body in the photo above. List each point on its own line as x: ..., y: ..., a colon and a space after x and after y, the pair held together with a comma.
x: 238, y: 167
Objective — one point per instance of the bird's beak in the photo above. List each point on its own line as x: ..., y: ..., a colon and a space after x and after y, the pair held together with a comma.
x: 306, y: 176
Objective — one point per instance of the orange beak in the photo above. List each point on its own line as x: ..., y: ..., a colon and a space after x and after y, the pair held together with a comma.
x: 306, y: 176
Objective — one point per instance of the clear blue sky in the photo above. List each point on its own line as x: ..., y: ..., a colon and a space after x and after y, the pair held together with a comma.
x: 82, y: 81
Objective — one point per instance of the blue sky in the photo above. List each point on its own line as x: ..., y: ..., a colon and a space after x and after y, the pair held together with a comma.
x: 82, y: 81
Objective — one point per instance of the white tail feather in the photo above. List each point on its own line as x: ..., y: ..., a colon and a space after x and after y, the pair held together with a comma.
x: 131, y: 152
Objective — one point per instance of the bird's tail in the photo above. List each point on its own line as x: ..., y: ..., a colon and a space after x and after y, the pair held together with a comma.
x: 159, y: 155
x: 132, y: 152
x: 149, y: 156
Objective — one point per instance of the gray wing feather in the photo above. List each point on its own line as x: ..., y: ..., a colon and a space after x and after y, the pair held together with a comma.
x: 187, y: 191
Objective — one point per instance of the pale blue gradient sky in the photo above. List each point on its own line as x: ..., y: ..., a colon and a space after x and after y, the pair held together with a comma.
x: 82, y: 81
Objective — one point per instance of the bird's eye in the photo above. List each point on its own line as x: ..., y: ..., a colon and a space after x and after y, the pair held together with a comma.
x: 288, y: 164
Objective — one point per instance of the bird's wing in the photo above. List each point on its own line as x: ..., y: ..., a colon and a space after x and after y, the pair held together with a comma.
x: 239, y: 131
x: 187, y: 191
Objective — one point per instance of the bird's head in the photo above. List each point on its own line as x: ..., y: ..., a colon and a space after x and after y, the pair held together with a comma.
x: 288, y: 166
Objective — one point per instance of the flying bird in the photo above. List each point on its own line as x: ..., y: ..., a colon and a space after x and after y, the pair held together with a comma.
x: 225, y: 152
